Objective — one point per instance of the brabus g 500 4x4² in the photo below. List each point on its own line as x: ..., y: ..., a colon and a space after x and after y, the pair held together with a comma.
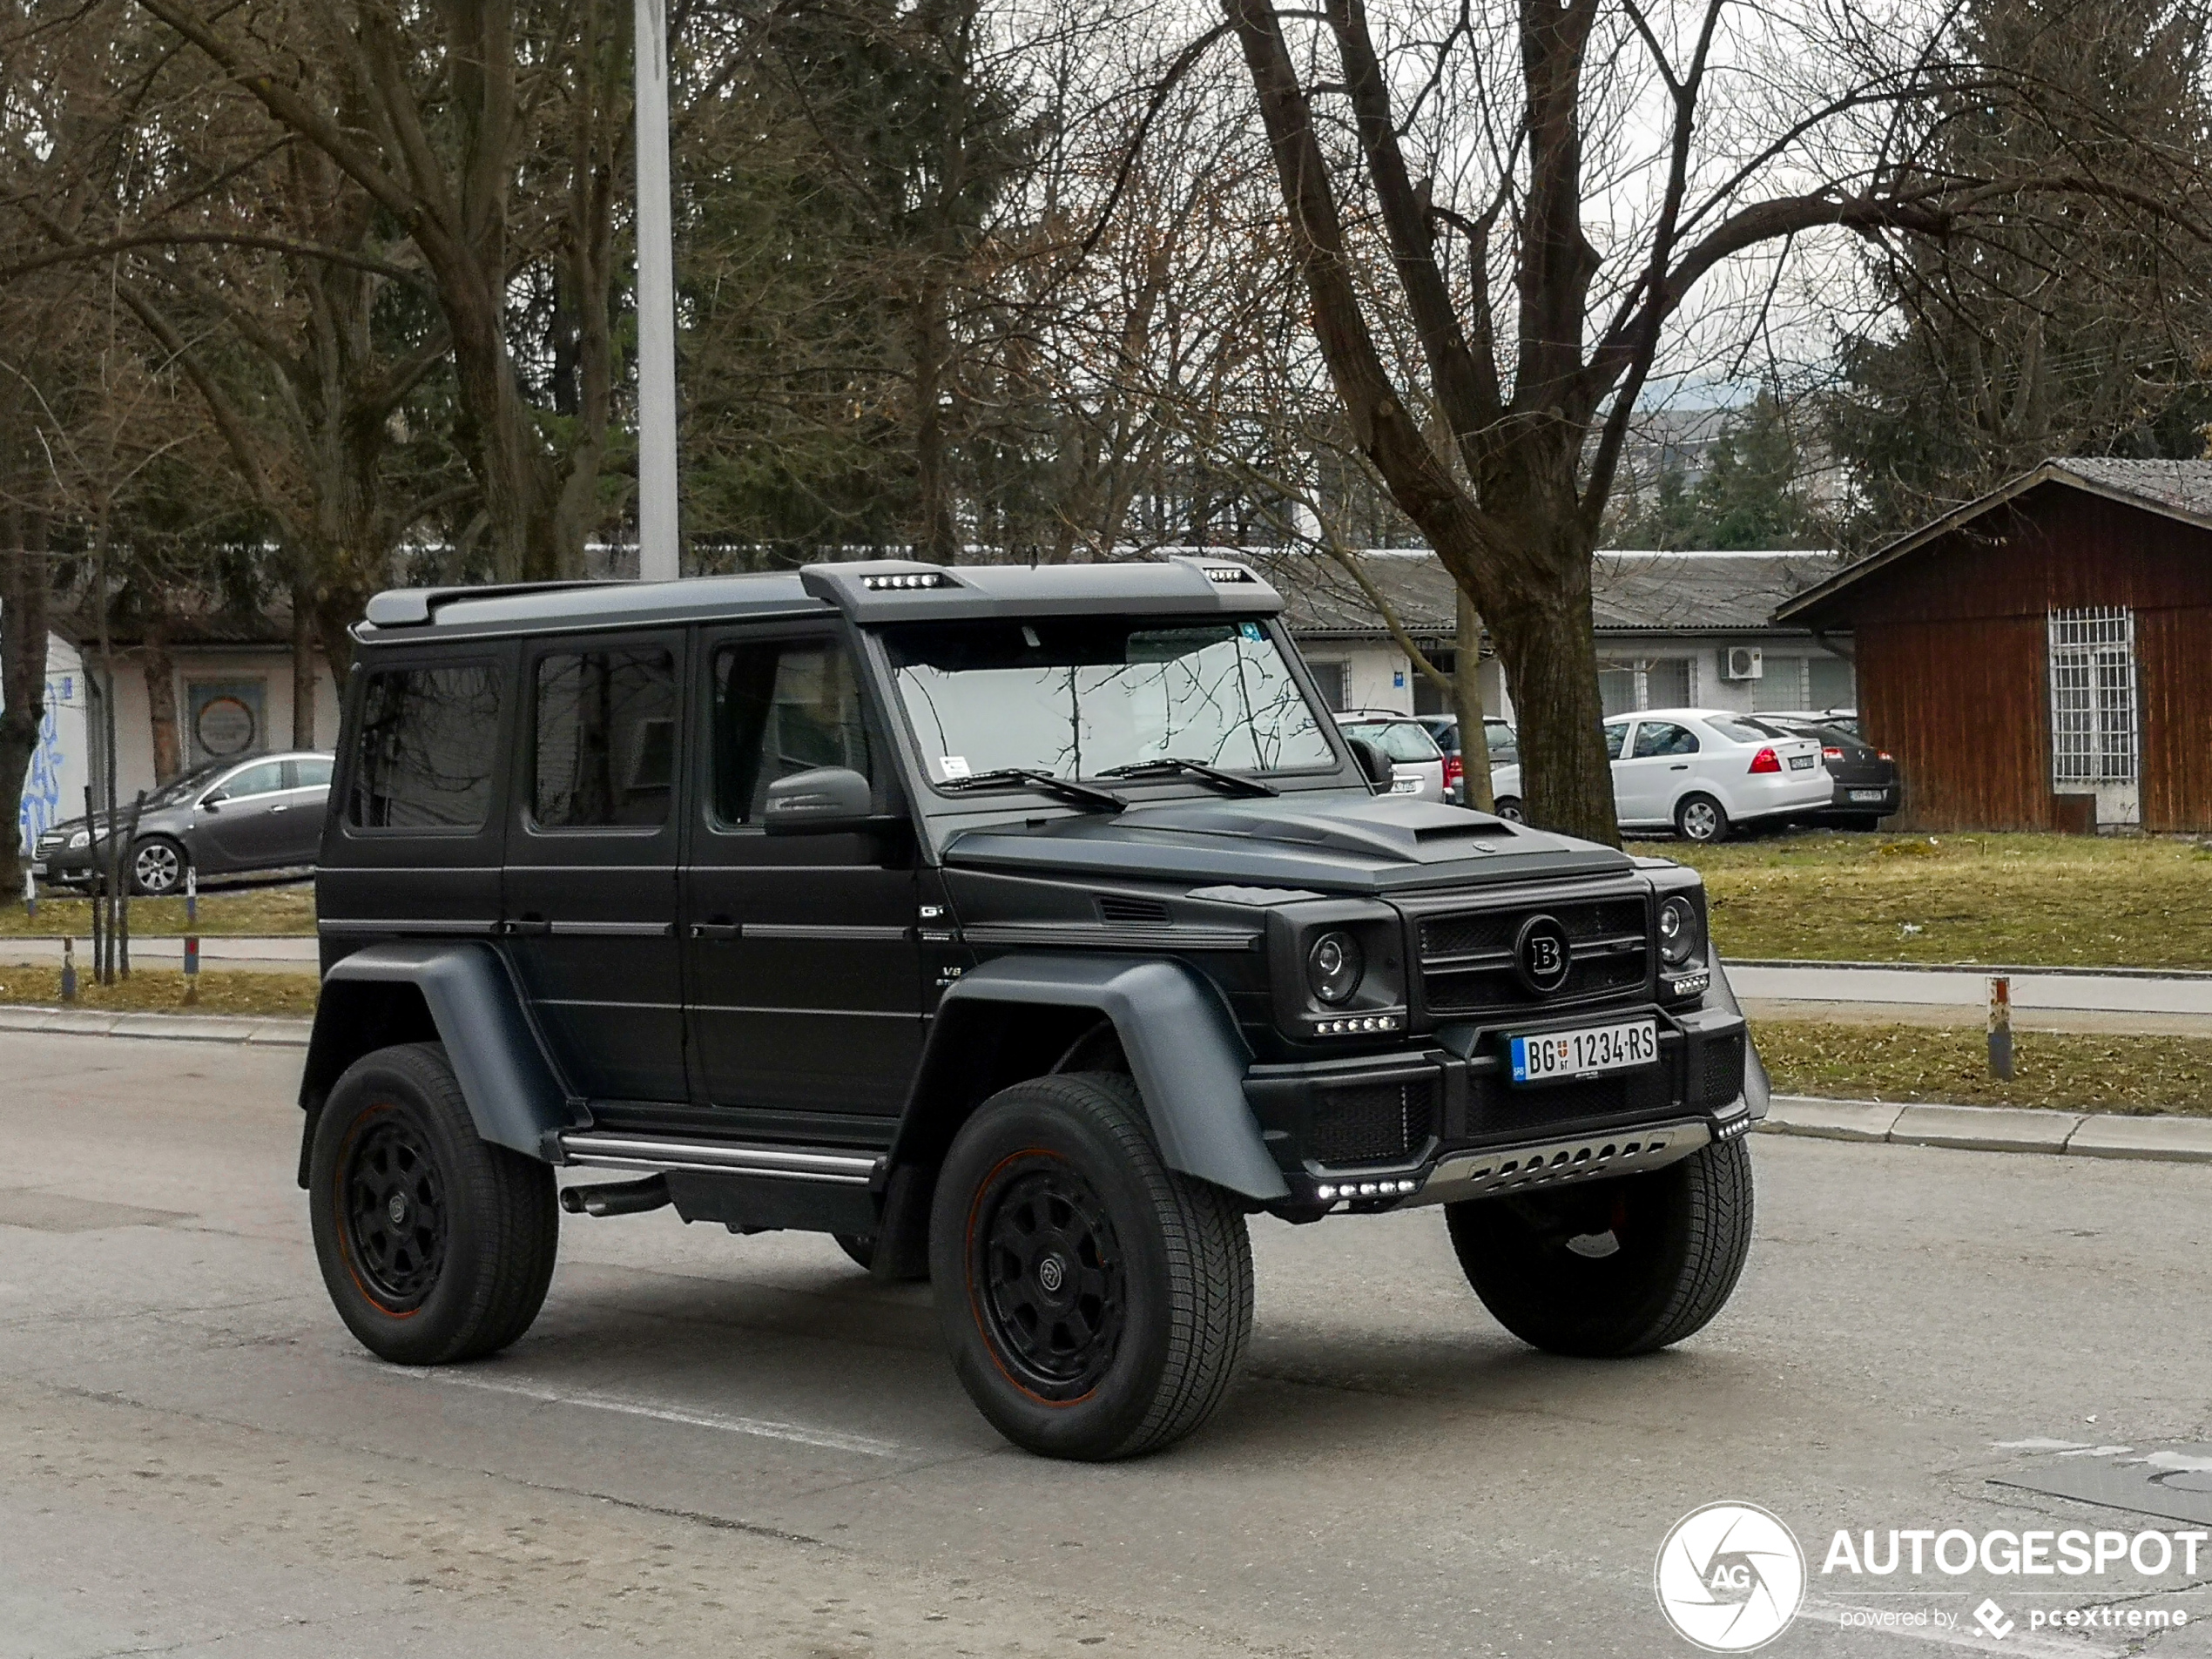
x: 1025, y: 930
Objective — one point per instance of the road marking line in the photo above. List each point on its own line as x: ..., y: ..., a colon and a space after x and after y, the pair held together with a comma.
x: 690, y: 1417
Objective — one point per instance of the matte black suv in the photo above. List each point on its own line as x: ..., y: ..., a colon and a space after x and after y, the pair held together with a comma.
x: 1023, y: 929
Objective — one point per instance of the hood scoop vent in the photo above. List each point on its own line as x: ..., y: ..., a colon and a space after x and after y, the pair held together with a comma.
x: 1119, y: 908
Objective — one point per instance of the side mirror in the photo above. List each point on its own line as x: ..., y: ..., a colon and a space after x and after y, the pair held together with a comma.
x: 1373, y: 763
x: 820, y: 802
x: 214, y: 802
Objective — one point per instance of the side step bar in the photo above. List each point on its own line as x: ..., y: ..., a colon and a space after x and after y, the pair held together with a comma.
x: 709, y: 1157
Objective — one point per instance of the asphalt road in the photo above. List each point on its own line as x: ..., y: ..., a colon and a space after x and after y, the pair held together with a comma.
x: 720, y: 1445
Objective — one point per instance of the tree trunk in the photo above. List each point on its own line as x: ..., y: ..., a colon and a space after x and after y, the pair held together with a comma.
x: 1541, y: 622
x: 22, y: 676
x: 303, y: 665
x: 1466, y: 693
x: 160, y: 668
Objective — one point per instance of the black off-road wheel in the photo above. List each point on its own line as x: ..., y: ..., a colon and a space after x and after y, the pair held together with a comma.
x: 1607, y: 1268
x: 1095, y: 1302
x: 435, y: 1245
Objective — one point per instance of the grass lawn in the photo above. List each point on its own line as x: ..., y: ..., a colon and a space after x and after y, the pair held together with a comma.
x: 234, y: 913
x: 2035, y: 901
x: 162, y: 991
x: 2076, y: 1071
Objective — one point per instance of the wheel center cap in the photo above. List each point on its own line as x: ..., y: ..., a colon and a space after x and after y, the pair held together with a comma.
x: 1052, y: 1274
x: 397, y: 1210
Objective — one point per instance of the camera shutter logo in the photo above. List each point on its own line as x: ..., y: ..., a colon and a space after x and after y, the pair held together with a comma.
x: 1730, y: 1577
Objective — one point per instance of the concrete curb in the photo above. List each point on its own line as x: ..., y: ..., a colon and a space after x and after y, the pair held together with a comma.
x: 169, y: 1028
x: 2168, y: 1138
x: 2017, y: 970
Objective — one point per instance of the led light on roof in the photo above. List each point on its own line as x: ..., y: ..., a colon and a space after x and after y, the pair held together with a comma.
x: 879, y: 583
x: 1227, y: 573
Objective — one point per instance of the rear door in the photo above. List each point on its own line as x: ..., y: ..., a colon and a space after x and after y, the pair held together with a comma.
x: 588, y: 891
x: 805, y: 970
x: 307, y: 807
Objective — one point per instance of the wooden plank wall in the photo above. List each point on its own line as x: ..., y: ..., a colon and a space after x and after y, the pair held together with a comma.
x: 1951, y: 658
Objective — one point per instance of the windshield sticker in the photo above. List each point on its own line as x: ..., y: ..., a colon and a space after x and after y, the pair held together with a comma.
x: 1250, y: 629
x: 954, y: 766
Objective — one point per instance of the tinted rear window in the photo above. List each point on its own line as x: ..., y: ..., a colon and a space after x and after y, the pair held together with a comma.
x: 427, y: 742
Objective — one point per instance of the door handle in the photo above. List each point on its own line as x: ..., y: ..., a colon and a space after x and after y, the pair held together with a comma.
x: 712, y: 930
x: 279, y: 807
x: 526, y: 925
x: 1679, y: 766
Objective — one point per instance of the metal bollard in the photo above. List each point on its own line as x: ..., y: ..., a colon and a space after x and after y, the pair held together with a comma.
x: 69, y: 970
x: 191, y: 895
x: 30, y: 896
x: 2000, y: 1026
x: 192, y: 969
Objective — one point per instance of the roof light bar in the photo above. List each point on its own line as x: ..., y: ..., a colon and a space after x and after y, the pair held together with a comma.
x: 910, y: 579
x: 1228, y: 573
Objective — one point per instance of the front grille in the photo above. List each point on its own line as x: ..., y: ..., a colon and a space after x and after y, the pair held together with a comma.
x: 1466, y: 961
x: 1372, y: 1122
x: 1717, y: 1072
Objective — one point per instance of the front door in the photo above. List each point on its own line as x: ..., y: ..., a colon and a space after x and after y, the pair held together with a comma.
x: 244, y: 818
x: 588, y: 891
x: 1645, y: 784
x: 805, y: 972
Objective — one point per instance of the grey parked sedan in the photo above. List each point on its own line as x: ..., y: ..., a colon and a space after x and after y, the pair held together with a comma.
x: 251, y: 812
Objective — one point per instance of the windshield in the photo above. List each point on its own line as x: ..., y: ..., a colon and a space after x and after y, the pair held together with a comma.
x: 177, y: 788
x: 1078, y: 696
x: 1401, y: 741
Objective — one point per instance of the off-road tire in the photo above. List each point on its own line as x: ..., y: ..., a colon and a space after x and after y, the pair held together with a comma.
x: 1175, y: 1276
x: 470, y: 1281
x: 168, y: 873
x: 1702, y: 818
x: 1681, y: 1235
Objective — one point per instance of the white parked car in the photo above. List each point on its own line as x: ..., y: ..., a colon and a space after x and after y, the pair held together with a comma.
x: 1698, y: 772
x: 1416, y: 764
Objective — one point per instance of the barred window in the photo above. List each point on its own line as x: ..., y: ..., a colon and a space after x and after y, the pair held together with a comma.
x: 2092, y: 696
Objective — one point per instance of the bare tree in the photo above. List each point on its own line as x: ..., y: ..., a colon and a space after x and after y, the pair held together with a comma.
x: 1499, y: 215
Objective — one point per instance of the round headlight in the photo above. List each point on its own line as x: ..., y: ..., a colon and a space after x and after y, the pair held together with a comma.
x: 1334, y: 967
x: 1679, y: 933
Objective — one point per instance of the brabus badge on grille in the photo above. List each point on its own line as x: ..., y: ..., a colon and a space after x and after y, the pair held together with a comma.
x: 1541, y: 955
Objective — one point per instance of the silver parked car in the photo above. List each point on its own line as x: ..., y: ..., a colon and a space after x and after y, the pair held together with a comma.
x: 1416, y: 764
x: 252, y: 813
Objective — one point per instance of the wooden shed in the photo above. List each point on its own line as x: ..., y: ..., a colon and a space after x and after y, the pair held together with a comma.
x: 2042, y: 658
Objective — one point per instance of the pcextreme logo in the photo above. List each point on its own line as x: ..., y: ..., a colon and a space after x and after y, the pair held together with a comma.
x: 1730, y: 1577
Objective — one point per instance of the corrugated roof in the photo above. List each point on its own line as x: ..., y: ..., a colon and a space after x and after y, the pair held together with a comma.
x: 2179, y: 490
x: 1632, y: 591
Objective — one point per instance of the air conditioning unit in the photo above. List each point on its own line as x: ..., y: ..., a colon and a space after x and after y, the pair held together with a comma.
x: 1742, y: 662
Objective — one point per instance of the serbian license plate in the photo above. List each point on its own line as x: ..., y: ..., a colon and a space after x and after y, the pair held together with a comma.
x: 1870, y: 794
x: 1577, y: 1053
x: 37, y: 867
x: 1404, y: 785
x: 1801, y: 762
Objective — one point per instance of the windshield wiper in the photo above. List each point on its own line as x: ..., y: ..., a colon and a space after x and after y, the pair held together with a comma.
x: 1176, y: 768
x: 1066, y: 788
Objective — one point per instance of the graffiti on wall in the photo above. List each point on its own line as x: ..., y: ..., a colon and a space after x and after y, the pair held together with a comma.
x: 42, y: 784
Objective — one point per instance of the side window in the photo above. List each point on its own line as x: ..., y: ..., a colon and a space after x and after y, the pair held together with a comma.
x: 264, y: 779
x: 315, y: 774
x: 782, y: 706
x: 427, y: 738
x: 604, y: 747
x: 1664, y: 738
x: 1616, y: 735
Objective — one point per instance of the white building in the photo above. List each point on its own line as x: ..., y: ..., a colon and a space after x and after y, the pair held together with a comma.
x: 1674, y: 631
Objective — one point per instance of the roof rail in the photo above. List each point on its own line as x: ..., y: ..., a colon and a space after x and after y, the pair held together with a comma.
x: 413, y: 607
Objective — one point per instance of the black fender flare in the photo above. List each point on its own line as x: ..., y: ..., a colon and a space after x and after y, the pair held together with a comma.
x: 1183, y: 1050
x: 513, y: 1095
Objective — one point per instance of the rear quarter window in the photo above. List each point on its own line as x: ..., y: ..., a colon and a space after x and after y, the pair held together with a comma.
x: 426, y: 749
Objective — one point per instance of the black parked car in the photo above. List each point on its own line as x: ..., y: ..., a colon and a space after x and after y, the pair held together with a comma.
x: 1867, y: 788
x: 251, y: 812
x: 1023, y: 929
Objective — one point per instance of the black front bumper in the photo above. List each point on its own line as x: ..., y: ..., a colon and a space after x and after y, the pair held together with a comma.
x: 1374, y: 1129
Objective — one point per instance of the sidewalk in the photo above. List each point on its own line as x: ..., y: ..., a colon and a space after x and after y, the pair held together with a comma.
x: 279, y: 955
x: 2168, y: 1137
x: 2043, y: 999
